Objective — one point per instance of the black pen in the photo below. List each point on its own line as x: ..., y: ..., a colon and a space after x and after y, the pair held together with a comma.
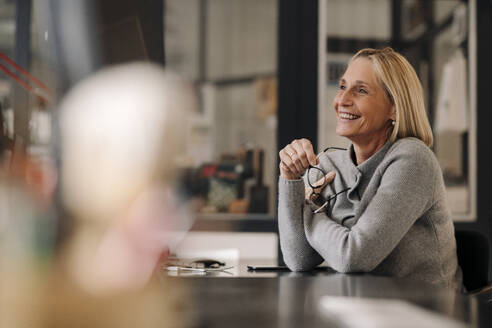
x: 267, y: 268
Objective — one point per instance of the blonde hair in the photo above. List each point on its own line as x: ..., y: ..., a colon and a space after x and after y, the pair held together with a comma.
x: 403, y: 88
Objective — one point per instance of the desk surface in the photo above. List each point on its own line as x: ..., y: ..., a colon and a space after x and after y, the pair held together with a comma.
x: 288, y: 299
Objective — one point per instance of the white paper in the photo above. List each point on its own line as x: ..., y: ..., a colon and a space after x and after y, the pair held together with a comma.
x: 381, y: 313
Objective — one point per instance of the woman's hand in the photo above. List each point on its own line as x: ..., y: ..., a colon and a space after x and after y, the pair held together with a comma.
x: 295, y: 159
x: 322, y: 183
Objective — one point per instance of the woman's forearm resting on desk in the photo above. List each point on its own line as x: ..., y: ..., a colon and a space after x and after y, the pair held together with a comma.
x: 298, y: 254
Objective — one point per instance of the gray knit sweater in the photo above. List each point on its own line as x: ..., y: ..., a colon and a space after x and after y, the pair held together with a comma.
x: 393, y: 221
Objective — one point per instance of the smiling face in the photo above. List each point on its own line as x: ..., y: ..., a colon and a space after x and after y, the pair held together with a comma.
x: 363, y: 110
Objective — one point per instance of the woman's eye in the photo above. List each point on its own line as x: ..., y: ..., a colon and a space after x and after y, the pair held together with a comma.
x: 364, y: 91
x: 342, y: 87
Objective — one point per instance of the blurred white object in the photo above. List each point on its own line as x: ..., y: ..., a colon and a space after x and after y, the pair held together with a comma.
x: 381, y: 313
x: 459, y: 26
x: 225, y: 254
x: 452, y: 109
x: 122, y: 132
x: 40, y: 126
x: 228, y: 245
x: 121, y: 129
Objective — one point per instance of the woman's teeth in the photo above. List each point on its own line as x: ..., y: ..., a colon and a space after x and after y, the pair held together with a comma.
x: 348, y: 116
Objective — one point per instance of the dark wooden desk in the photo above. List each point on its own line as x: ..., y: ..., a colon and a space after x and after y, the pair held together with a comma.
x: 287, y: 299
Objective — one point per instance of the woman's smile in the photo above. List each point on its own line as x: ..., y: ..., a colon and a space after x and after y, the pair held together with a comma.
x: 346, y: 116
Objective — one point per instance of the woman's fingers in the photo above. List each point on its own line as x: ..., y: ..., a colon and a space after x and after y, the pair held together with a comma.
x: 286, y: 157
x: 309, y: 151
x: 323, y: 182
x: 287, y: 173
x: 300, y: 156
x: 288, y: 169
x: 296, y: 157
x: 308, y: 191
x: 329, y: 177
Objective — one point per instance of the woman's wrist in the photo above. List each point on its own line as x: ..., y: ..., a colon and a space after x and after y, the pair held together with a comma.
x: 290, y: 176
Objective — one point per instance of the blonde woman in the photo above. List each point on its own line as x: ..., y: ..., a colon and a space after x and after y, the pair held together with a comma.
x: 379, y: 206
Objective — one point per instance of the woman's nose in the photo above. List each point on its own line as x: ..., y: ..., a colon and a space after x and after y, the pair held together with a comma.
x: 344, y: 97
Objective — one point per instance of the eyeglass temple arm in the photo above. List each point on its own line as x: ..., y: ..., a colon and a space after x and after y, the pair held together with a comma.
x: 336, y: 148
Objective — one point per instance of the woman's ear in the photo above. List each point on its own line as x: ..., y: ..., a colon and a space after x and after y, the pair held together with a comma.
x: 393, y: 113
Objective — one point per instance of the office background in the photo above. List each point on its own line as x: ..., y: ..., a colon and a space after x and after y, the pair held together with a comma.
x: 265, y: 72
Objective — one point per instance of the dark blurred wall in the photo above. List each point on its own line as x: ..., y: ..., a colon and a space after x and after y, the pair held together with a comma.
x: 131, y: 30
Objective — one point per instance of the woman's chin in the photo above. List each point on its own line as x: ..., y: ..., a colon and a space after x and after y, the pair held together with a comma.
x: 343, y: 132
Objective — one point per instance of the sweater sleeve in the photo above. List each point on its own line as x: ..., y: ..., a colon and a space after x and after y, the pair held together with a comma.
x: 298, y: 254
x: 405, y: 193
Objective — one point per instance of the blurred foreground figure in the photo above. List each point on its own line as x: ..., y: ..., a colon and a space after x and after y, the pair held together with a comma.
x: 121, y: 135
x: 122, y: 132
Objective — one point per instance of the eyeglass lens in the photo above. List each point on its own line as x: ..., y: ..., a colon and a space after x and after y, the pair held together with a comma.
x: 316, y: 174
x: 316, y: 177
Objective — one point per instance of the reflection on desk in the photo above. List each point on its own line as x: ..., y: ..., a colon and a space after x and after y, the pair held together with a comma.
x: 292, y: 299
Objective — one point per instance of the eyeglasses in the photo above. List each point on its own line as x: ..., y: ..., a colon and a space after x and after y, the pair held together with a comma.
x: 200, y: 266
x: 314, y: 181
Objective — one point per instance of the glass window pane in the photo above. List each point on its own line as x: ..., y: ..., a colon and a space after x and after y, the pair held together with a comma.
x: 7, y: 42
x: 229, y: 48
